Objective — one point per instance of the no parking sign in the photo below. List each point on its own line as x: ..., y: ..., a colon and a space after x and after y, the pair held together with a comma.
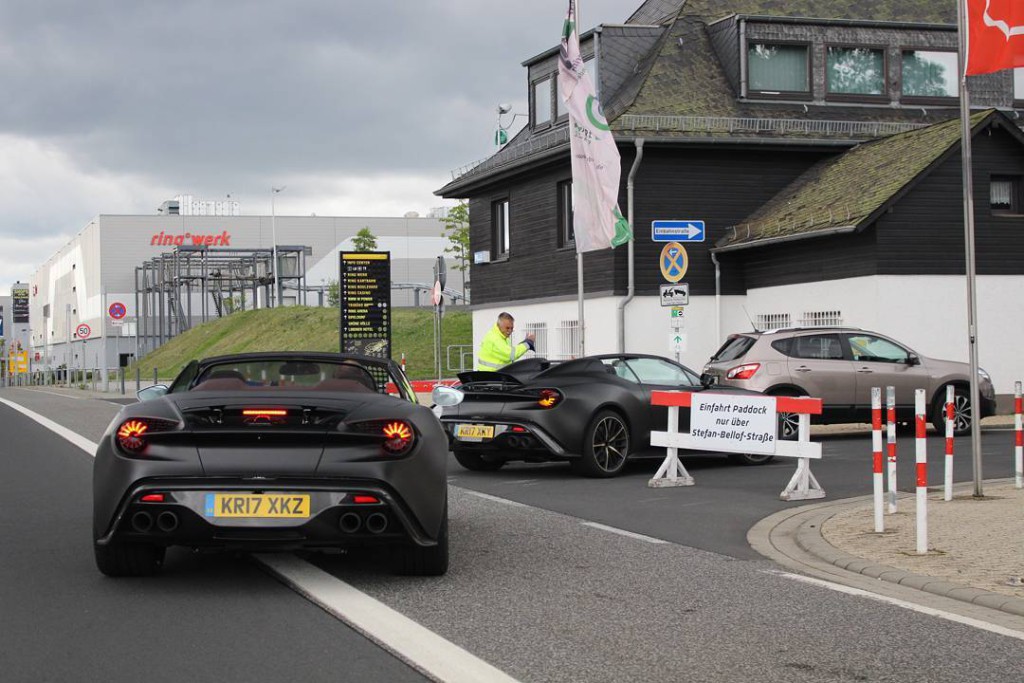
x: 117, y: 310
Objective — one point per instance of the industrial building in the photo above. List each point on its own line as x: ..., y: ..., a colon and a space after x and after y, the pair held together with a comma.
x: 126, y: 283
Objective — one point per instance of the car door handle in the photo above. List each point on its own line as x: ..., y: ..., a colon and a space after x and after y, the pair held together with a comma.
x: 866, y: 371
x: 803, y: 368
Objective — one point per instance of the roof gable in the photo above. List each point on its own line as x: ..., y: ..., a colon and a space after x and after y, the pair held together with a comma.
x: 848, y: 192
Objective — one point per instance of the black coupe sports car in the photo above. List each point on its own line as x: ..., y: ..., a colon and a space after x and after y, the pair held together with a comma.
x: 593, y: 412
x: 273, y: 451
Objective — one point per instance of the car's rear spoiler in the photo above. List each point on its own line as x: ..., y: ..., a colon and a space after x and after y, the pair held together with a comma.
x: 487, y: 376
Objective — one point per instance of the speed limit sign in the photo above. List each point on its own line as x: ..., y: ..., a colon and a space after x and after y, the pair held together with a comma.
x: 83, y: 331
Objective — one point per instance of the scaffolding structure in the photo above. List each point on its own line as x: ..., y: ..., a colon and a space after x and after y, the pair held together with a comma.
x: 191, y: 284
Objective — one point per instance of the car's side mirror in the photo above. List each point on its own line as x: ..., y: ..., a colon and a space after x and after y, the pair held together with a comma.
x: 150, y: 393
x: 913, y: 359
x: 446, y: 396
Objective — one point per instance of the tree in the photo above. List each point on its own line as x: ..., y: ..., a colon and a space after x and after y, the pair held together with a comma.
x: 333, y: 293
x: 456, y: 229
x: 364, y: 240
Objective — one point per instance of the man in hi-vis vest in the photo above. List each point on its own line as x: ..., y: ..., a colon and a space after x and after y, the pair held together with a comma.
x: 497, y: 349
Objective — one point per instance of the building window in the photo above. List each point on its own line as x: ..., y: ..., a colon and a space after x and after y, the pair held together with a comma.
x: 1018, y: 84
x: 778, y: 69
x: 821, y: 319
x: 568, y: 339
x: 773, y: 321
x: 1005, y: 194
x: 855, y: 71
x: 500, y: 234
x: 929, y: 74
x: 542, y: 102
x: 540, y: 334
x: 566, y: 233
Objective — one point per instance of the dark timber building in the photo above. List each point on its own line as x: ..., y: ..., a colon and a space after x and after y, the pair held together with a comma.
x: 819, y: 142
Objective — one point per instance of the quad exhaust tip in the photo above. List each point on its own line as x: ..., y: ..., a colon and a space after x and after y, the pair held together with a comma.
x: 350, y: 522
x: 142, y: 522
x: 167, y: 522
x: 376, y: 523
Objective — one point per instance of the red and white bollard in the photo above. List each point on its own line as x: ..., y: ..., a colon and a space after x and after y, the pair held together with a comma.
x: 890, y: 437
x: 1018, y: 450
x: 876, y: 445
x: 921, y: 453
x: 403, y: 362
x: 948, y: 479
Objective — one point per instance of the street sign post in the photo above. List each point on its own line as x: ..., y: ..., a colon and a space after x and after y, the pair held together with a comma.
x: 677, y: 231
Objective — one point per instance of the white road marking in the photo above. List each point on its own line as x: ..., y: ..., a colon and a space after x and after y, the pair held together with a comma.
x: 55, y: 393
x: 416, y: 645
x: 423, y: 649
x: 623, y: 532
x: 967, y: 621
x: 74, y: 437
x: 496, y: 499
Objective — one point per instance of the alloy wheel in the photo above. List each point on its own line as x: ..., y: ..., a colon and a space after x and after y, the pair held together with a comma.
x: 610, y: 444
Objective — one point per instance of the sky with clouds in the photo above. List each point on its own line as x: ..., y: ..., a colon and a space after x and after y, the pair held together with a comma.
x: 359, y: 107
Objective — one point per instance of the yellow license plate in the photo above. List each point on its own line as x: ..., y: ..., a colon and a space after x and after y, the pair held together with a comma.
x: 474, y: 432
x: 258, y: 505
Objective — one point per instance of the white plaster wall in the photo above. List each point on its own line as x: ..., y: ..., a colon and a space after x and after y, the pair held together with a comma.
x: 927, y: 313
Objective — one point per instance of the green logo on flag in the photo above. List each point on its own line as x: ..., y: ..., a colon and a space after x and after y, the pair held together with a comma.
x: 622, y: 232
x: 596, y: 122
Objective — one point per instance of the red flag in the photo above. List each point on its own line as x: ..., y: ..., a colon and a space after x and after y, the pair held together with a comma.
x: 995, y: 35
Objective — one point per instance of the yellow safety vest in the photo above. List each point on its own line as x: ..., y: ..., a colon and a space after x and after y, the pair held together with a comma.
x: 497, y: 351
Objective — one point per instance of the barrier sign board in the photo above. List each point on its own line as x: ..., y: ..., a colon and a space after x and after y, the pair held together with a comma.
x: 677, y: 231
x: 745, y: 424
x: 675, y: 295
x: 364, y: 283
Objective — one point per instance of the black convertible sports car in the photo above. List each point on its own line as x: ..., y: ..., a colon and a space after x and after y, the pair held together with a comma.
x: 593, y: 412
x: 273, y: 451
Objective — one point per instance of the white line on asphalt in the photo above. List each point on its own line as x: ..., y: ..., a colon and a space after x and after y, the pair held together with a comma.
x: 496, y: 499
x: 623, y: 532
x: 75, y: 438
x: 950, y: 616
x: 423, y: 649
x: 56, y: 393
x: 419, y: 647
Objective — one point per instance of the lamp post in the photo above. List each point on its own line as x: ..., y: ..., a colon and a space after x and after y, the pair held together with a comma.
x: 273, y: 236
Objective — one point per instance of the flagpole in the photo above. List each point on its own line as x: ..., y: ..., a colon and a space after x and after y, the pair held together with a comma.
x: 579, y: 254
x: 972, y: 299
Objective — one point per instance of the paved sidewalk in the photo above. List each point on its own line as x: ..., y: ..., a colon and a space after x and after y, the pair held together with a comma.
x: 976, y: 546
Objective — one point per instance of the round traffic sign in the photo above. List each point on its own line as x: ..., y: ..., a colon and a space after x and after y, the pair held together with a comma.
x: 436, y: 294
x: 117, y: 310
x: 674, y: 262
x: 83, y: 331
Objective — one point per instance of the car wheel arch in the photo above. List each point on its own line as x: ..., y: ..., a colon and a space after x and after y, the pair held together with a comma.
x: 617, y: 409
x: 785, y: 390
x: 939, y: 397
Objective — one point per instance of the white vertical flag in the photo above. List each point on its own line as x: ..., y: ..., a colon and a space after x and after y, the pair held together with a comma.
x: 597, y: 221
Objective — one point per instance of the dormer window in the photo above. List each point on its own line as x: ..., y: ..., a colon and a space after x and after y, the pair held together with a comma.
x: 855, y: 71
x: 778, y: 69
x: 929, y: 74
x: 542, y: 102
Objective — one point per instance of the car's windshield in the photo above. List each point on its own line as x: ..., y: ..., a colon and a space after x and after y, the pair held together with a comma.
x: 655, y: 371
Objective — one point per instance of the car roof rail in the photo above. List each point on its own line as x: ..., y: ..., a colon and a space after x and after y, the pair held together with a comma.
x: 800, y: 328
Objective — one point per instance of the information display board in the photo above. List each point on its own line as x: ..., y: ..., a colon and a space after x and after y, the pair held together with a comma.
x: 364, y: 284
x: 19, y: 301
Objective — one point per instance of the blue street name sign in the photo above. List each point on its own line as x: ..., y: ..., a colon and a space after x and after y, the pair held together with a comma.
x: 677, y: 231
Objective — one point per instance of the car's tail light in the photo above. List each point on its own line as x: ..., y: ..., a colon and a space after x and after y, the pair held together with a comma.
x: 153, y: 498
x: 743, y: 371
x: 397, y: 436
x: 134, y: 434
x: 549, y: 398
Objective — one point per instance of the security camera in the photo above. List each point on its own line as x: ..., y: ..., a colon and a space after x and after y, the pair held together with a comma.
x: 504, y: 108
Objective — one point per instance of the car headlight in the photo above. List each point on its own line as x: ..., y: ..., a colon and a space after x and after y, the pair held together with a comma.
x: 984, y: 375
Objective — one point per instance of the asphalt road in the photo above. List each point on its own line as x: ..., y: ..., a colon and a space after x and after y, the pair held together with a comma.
x: 534, y: 588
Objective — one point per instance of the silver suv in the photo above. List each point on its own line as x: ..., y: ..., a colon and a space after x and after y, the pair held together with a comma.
x: 840, y: 365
